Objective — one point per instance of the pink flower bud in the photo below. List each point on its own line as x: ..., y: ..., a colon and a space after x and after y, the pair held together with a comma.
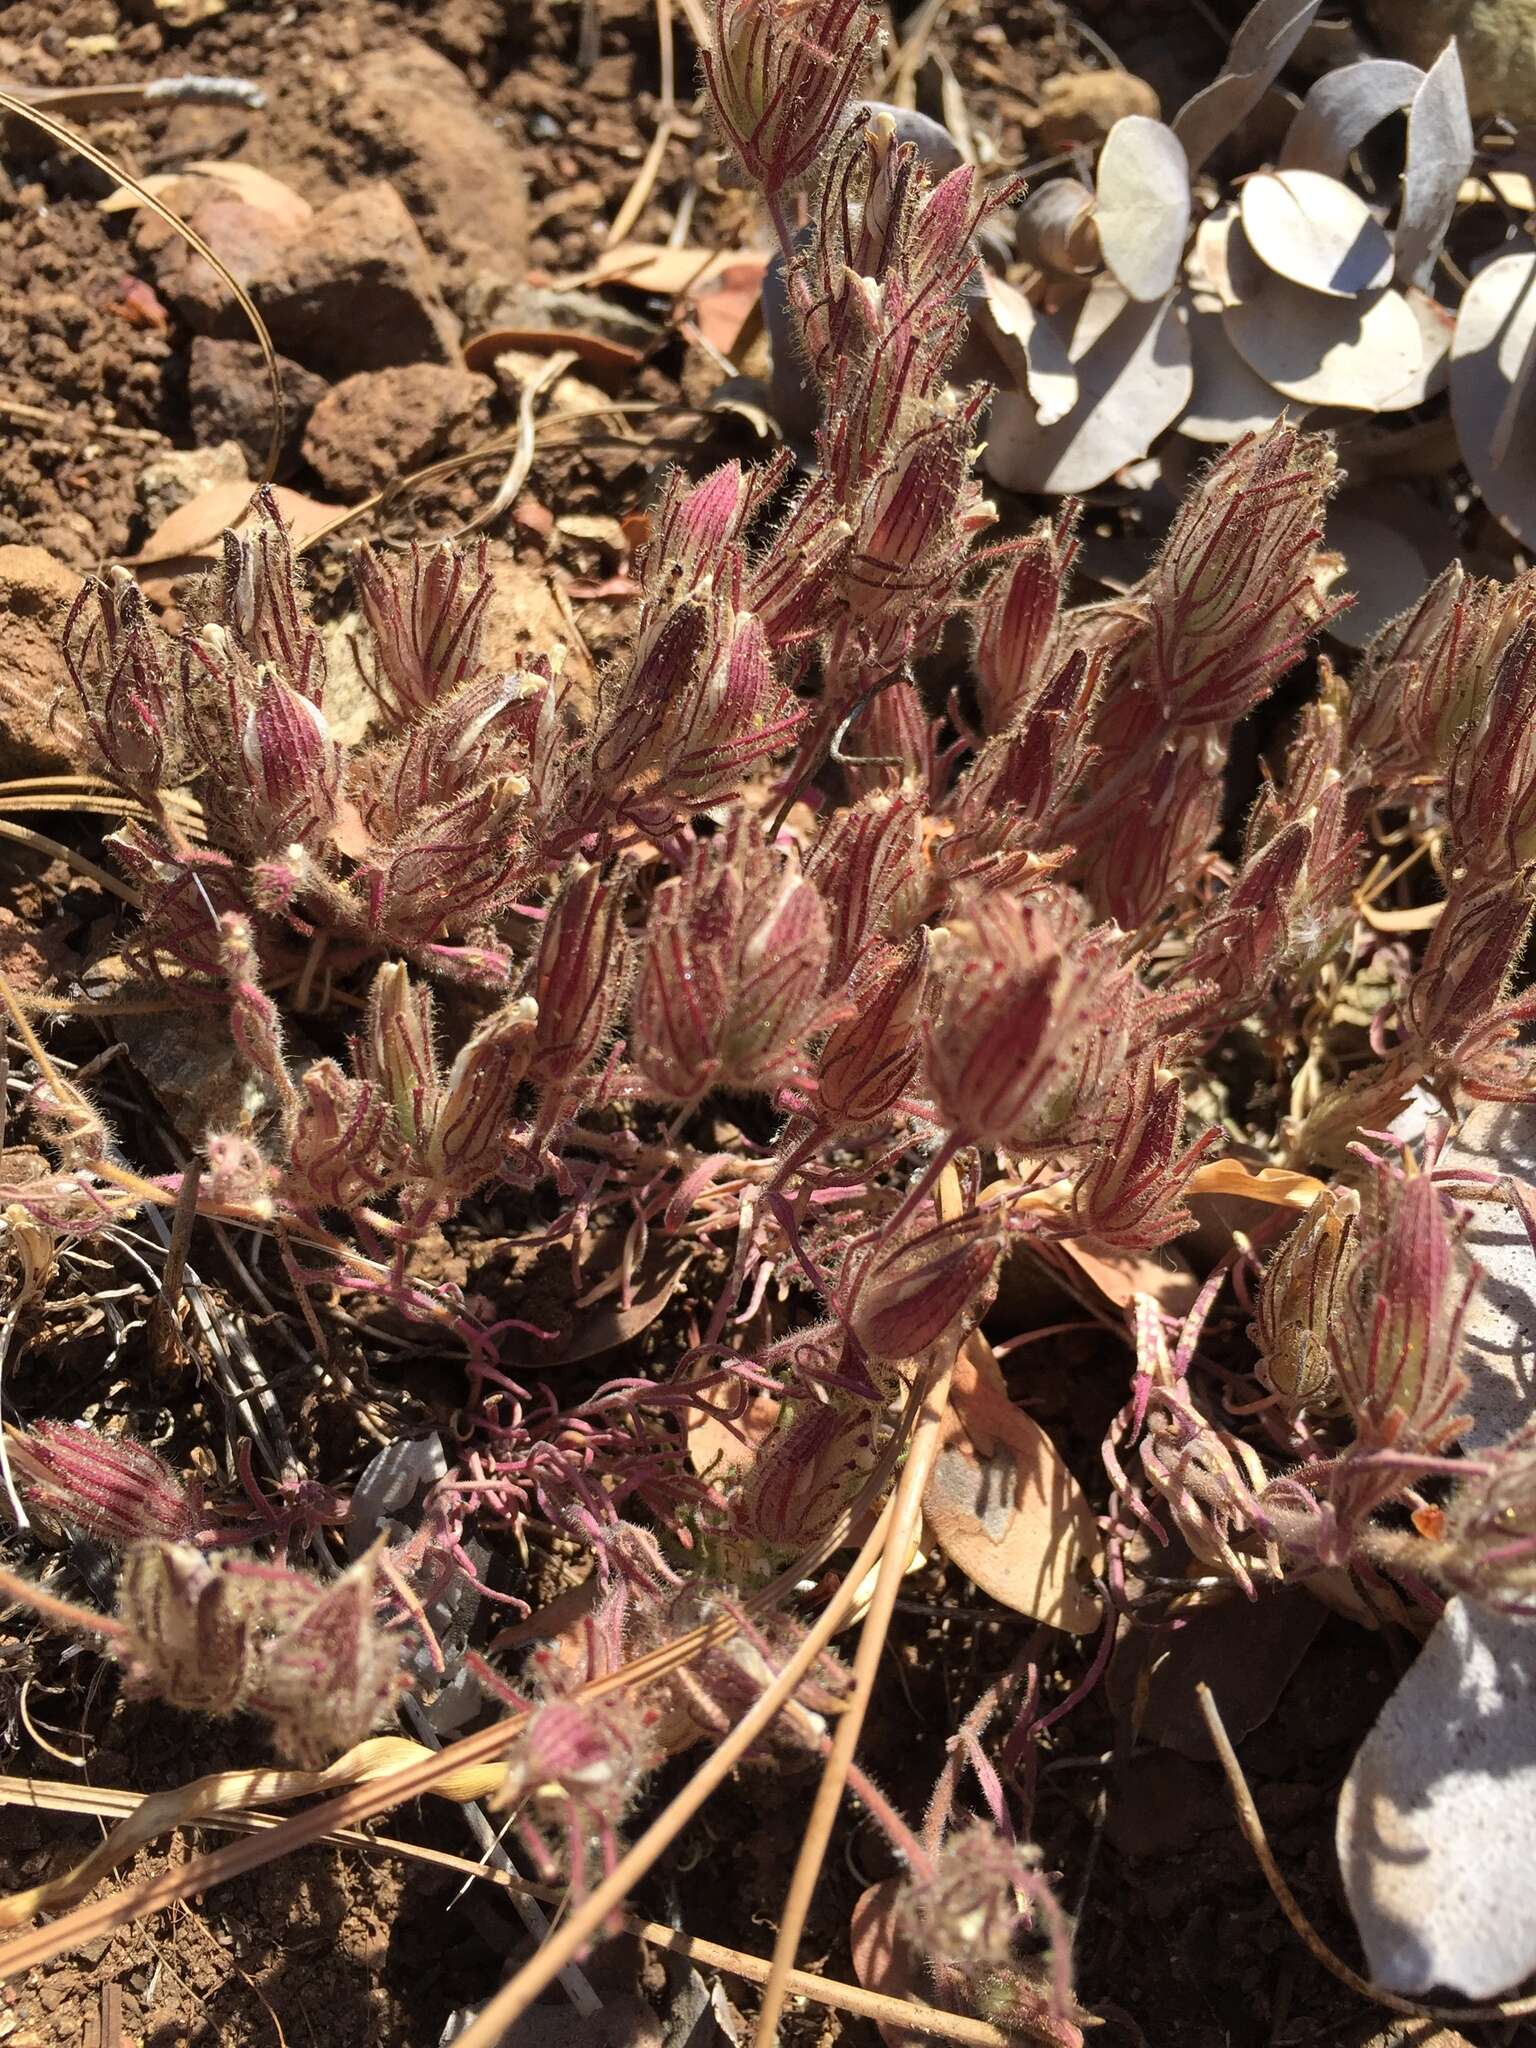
x: 467, y: 1138
x: 1029, y: 1026
x: 426, y: 614
x: 697, y: 531
x: 916, y: 1292
x: 452, y: 869
x: 865, y: 856
x: 1129, y: 1195
x: 1491, y: 797
x: 780, y: 75
x: 730, y: 982
x: 292, y: 767
x: 1425, y: 677
x: 1017, y: 618
x: 483, y: 732
x: 870, y: 1058
x: 1136, y: 853
x: 581, y: 977
x: 261, y: 606
x: 1012, y: 797
x: 891, y: 745
x: 908, y: 533
x: 698, y: 709
x: 1240, y: 942
x: 1459, y: 987
x: 1233, y: 597
x: 1397, y: 1344
x: 398, y: 1051
x: 117, y: 662
x: 114, y: 1489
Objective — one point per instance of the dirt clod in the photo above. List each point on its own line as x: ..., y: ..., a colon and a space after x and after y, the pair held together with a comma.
x: 229, y: 400
x: 374, y: 426
x: 458, y: 170
x: 36, y: 592
x: 359, y: 291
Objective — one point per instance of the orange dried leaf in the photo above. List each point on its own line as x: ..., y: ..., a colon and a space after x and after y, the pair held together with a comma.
x: 1278, y: 1185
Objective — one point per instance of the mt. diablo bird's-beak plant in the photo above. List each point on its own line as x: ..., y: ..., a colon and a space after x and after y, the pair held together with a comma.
x: 824, y: 977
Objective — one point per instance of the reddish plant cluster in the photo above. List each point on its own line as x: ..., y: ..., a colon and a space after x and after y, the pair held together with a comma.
x: 959, y: 962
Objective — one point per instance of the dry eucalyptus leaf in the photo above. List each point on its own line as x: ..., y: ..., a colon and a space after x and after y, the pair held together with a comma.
x: 1438, y: 1814
x: 1499, y: 1355
x: 1229, y: 398
x: 1492, y: 355
x: 1315, y: 231
x: 1341, y: 110
x: 197, y: 528
x: 1355, y: 353
x: 1001, y: 1504
x: 1220, y: 264
x: 1511, y: 188
x: 1259, y: 53
x: 389, y: 1482
x: 1032, y: 347
x: 1437, y: 324
x: 1440, y: 150
x: 259, y: 189
x: 1144, y: 200
x: 1133, y: 371
x: 1056, y: 231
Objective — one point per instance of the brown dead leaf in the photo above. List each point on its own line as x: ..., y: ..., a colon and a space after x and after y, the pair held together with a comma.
x: 1121, y: 1275
x: 259, y: 189
x: 1001, y: 1504
x: 653, y: 267
x: 607, y: 358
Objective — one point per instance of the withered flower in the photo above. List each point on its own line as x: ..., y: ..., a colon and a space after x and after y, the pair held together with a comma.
x: 1302, y: 1297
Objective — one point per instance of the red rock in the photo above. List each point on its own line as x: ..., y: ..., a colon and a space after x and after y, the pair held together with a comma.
x: 230, y: 400
x: 36, y: 592
x: 457, y: 170
x: 359, y: 291
x: 374, y: 427
x: 251, y: 239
